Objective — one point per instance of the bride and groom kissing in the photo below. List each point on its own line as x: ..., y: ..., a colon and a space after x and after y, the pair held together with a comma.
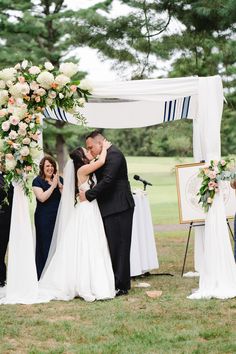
x: 90, y: 252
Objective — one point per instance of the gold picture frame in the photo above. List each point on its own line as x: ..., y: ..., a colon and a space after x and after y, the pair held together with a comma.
x: 188, y: 185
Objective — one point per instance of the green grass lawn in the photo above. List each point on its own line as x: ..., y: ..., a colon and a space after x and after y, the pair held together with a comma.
x: 160, y: 171
x: 130, y: 324
x: 135, y: 323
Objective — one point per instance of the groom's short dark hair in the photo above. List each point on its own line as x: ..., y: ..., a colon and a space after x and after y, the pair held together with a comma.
x: 94, y: 134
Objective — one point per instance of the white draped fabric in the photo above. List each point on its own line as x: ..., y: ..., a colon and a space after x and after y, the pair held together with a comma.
x: 143, y: 254
x: 22, y: 284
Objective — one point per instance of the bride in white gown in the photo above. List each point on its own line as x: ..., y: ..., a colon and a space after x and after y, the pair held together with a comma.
x: 79, y: 263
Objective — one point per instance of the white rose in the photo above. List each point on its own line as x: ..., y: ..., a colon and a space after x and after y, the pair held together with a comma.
x: 8, y: 74
x: 31, y: 125
x: 34, y: 70
x: 52, y: 94
x: 2, y: 84
x: 16, y: 146
x: 48, y: 66
x: 10, y: 164
x: 24, y: 151
x: 13, y: 135
x: 19, y: 101
x: 22, y: 132
x: 17, y: 66
x: 86, y: 85
x: 14, y: 120
x: 68, y: 69
x: 23, y: 125
x: 40, y: 92
x: 6, y: 126
x: 62, y: 80
x: 45, y: 79
x: 3, y: 97
x: 34, y: 86
x: 26, y: 141
x: 24, y: 64
x: 61, y: 95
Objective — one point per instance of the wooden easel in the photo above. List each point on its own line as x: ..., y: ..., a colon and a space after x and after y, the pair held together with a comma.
x: 191, y: 225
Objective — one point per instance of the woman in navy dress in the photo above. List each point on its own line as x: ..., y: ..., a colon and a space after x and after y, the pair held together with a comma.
x: 47, y: 187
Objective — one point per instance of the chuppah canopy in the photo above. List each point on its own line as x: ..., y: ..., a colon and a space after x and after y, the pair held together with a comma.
x: 142, y: 103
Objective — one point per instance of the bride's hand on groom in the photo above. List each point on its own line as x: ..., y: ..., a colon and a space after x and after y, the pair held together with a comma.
x: 82, y: 196
x: 106, y: 144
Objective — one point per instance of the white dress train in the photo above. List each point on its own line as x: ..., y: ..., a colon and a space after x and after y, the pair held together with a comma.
x: 81, y: 265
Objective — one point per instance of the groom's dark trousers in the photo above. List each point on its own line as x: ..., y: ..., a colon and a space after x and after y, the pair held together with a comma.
x: 5, y: 222
x: 116, y: 204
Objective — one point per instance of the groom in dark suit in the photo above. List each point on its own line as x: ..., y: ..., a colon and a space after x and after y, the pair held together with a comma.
x: 5, y: 222
x: 116, y: 204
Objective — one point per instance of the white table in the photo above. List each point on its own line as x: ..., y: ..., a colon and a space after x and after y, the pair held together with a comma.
x: 143, y: 254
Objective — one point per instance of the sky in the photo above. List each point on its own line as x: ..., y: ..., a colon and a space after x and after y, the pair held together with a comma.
x: 89, y: 61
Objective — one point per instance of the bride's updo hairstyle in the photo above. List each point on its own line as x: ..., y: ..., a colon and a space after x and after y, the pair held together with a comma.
x: 79, y: 159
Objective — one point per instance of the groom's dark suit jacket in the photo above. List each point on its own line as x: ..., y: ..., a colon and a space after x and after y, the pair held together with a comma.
x: 112, y: 191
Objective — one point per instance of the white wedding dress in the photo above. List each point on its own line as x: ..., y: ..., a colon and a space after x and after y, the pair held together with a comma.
x: 80, y: 264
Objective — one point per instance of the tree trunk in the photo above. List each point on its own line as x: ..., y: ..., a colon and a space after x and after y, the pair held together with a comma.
x: 61, y: 148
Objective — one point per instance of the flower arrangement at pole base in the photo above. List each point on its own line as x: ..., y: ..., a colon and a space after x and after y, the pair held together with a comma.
x: 25, y: 91
x: 212, y: 174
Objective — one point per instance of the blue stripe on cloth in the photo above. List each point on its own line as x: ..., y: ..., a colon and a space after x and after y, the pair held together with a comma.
x: 188, y: 106
x: 165, y: 112
x: 169, y: 112
x: 185, y: 107
x: 173, y: 115
x: 46, y: 113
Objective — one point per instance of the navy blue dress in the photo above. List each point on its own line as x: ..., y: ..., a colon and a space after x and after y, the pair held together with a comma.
x: 45, y: 218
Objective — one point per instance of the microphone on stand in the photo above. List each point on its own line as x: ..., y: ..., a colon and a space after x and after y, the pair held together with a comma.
x: 145, y: 183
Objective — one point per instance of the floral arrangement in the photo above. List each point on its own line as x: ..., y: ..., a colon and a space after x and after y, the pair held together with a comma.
x: 25, y: 91
x: 211, y: 174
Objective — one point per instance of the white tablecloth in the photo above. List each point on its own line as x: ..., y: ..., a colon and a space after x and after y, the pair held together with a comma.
x: 143, y: 254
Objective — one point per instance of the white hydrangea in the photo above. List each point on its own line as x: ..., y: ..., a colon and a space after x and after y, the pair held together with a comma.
x: 62, y: 80
x: 48, y: 66
x: 35, y: 153
x: 34, y: 70
x: 45, y: 79
x: 10, y: 164
x: 19, y: 90
x: 68, y: 69
x: 3, y: 97
x: 8, y: 74
x: 20, y: 112
x: 86, y: 85
x: 2, y: 84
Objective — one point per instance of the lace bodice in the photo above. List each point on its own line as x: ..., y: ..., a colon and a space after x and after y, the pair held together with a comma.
x: 85, y: 185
